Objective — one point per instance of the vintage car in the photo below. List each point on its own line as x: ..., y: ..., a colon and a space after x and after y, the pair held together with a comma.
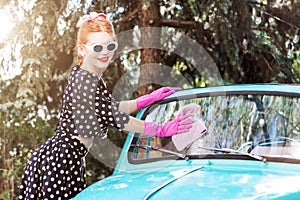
x: 247, y: 146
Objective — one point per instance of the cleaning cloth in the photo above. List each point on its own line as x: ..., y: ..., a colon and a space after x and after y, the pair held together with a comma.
x: 181, y: 141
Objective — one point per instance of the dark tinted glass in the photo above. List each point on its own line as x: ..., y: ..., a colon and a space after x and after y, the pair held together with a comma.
x: 98, y: 48
x: 111, y: 47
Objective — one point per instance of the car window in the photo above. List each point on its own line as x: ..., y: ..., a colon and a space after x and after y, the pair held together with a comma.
x: 256, y: 124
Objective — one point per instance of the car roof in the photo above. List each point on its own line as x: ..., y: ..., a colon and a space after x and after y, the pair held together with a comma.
x: 276, y: 89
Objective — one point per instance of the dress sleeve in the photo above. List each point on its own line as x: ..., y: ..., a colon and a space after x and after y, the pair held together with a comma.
x: 120, y: 118
x: 108, y: 109
x: 86, y: 122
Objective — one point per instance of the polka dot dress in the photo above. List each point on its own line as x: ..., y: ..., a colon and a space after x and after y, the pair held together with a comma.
x: 56, y: 170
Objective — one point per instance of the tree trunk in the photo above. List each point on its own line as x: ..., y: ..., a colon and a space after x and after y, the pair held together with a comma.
x: 149, y: 17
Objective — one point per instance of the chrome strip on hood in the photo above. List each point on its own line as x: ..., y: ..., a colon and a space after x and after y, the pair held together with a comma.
x: 152, y: 192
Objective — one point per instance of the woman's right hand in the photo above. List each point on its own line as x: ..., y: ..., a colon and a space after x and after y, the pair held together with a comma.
x: 179, y: 125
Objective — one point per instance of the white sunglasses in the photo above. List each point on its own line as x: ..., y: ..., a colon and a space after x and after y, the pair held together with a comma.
x: 97, y: 48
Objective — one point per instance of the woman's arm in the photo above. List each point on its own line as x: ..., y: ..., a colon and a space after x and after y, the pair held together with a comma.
x: 176, y: 126
x: 145, y: 100
x: 128, y: 107
x: 134, y: 125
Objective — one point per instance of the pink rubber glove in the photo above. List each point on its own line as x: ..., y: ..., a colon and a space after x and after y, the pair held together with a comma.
x: 156, y: 95
x: 176, y: 126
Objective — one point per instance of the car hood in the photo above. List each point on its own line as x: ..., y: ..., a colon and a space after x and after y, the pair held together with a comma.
x: 215, y: 180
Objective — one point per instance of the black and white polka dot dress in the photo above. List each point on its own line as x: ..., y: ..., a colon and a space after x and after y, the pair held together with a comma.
x: 56, y: 170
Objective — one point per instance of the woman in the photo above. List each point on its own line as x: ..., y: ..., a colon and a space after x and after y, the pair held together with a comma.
x: 56, y: 170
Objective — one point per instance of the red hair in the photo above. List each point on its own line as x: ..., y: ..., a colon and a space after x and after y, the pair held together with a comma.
x: 92, y: 26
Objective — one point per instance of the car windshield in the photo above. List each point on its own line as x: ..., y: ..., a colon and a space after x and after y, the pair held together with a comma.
x: 254, y: 124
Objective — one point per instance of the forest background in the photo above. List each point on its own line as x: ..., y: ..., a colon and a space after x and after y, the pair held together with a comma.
x: 249, y: 41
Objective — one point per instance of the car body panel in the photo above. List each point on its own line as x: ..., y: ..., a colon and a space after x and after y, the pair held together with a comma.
x: 212, y: 179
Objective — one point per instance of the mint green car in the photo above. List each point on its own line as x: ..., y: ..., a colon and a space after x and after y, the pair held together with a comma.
x: 250, y: 150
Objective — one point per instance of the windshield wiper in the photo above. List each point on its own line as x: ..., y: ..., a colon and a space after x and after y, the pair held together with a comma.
x: 184, y: 156
x: 154, y: 148
x: 227, y: 150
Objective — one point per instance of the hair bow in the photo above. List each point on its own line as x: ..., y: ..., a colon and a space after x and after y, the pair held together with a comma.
x: 91, y: 16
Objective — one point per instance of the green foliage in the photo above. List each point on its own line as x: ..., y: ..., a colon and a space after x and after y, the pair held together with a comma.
x: 296, y: 66
x: 18, y: 139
